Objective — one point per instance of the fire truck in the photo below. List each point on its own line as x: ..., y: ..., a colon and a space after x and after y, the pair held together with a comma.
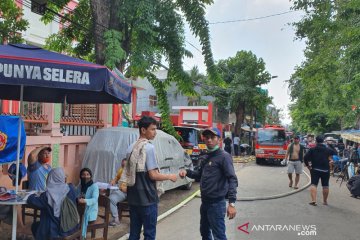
x: 270, y: 144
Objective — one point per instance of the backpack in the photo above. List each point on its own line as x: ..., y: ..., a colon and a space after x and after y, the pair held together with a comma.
x: 69, y: 216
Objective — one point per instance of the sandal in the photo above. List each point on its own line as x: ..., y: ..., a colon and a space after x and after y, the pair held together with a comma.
x: 313, y: 203
x: 296, y: 187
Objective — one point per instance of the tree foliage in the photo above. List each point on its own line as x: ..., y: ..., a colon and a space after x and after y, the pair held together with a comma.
x: 326, y: 85
x: 11, y: 23
x: 243, y: 75
x: 273, y: 115
x: 138, y: 37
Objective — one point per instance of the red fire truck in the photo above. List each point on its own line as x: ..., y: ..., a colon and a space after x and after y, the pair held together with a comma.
x: 270, y: 144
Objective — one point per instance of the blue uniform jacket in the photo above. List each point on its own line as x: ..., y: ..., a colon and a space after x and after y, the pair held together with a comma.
x: 217, y: 177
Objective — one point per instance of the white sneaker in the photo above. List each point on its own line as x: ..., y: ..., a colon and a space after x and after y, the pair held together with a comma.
x: 114, y: 222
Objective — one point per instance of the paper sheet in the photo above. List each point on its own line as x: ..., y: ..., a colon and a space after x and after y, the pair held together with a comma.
x: 103, y: 185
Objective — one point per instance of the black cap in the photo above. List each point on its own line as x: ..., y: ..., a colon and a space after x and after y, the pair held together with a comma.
x: 45, y: 148
x: 297, y: 137
x: 212, y: 131
x: 319, y: 139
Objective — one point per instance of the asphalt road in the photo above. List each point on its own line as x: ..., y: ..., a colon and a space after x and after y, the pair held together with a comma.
x: 284, y: 218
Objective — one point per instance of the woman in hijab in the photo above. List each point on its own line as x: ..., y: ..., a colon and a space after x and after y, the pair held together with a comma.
x: 88, y: 195
x: 49, y: 202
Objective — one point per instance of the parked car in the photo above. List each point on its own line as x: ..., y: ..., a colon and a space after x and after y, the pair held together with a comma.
x: 332, y: 136
x: 192, y: 142
x: 108, y: 147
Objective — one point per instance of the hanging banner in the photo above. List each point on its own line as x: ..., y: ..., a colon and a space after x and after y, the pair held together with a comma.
x: 9, y: 138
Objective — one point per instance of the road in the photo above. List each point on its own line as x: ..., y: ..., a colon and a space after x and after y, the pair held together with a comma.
x: 282, y: 218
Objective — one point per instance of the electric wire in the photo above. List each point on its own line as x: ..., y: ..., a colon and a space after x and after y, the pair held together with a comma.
x: 252, y: 19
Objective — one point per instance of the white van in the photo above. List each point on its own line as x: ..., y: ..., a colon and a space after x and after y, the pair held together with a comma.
x: 108, y: 147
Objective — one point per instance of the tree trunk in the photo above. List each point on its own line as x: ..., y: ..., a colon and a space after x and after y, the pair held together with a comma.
x: 240, y: 115
x: 251, y: 126
x: 100, y: 10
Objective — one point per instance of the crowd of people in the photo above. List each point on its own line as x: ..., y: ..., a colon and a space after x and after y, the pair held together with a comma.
x: 137, y: 180
x: 234, y: 147
x: 322, y: 157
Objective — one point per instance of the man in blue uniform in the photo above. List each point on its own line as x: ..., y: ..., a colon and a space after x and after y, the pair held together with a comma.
x: 217, y: 182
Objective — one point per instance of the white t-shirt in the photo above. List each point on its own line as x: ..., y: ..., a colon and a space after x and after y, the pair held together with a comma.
x: 236, y: 140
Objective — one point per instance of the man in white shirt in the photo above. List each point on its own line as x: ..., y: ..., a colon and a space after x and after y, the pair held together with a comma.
x: 236, y: 145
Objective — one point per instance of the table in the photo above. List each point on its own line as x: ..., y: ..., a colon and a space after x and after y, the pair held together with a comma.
x: 15, y: 202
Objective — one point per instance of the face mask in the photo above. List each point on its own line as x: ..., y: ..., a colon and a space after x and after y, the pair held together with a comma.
x: 213, y: 149
x: 45, y: 160
x: 83, y: 181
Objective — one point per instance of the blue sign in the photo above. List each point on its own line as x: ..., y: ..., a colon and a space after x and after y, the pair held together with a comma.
x: 52, y: 77
x: 9, y: 138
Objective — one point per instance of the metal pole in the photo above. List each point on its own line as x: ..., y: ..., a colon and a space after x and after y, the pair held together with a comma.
x: 14, y: 222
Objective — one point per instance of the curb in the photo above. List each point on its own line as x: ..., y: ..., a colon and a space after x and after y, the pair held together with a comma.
x: 243, y: 159
x: 167, y: 213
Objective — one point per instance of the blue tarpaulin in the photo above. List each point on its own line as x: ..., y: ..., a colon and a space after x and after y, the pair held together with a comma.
x: 9, y: 137
x: 53, y: 77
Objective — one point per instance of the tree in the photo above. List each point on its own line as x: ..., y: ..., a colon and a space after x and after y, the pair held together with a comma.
x: 11, y: 23
x: 138, y: 37
x: 243, y: 74
x: 325, y: 86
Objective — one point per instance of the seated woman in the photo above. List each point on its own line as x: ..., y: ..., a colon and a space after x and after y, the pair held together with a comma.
x: 88, y: 194
x: 49, y: 203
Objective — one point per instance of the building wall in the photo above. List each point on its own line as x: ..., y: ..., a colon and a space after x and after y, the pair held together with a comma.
x: 143, y: 102
x: 67, y: 151
x: 37, y: 32
x: 174, y: 98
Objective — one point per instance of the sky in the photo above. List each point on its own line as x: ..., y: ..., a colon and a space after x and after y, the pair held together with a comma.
x: 271, y: 39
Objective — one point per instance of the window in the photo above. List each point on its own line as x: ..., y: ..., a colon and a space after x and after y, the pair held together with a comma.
x: 33, y: 108
x: 271, y: 136
x: 80, y: 119
x: 152, y: 101
x: 81, y: 111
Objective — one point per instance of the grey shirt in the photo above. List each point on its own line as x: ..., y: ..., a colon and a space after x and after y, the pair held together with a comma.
x: 144, y: 192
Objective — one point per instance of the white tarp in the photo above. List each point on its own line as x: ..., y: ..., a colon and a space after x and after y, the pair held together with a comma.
x: 108, y: 147
x: 355, y: 137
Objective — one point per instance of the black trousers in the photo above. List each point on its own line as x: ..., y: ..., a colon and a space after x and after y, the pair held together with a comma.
x: 236, y: 150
